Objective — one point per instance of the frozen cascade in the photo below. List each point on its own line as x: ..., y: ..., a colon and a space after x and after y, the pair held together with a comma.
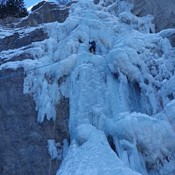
x: 121, y: 99
x: 113, y: 91
x: 87, y: 90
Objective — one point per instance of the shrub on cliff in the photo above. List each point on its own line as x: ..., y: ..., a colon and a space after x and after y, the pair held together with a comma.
x: 14, y: 8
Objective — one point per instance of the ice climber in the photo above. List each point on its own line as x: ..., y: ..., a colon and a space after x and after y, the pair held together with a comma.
x: 92, y: 47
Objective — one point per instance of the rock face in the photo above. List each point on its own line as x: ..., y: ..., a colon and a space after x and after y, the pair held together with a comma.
x: 40, y: 4
x: 45, y: 12
x: 162, y: 10
x: 16, y: 41
x: 19, y: 57
x: 9, y: 21
x: 23, y: 146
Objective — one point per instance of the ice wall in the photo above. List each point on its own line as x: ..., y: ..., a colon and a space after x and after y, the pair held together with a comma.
x: 118, y: 91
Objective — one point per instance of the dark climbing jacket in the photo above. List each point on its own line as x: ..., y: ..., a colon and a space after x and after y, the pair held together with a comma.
x: 92, y: 47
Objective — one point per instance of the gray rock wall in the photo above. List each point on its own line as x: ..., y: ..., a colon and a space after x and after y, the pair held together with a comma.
x: 23, y: 142
x: 44, y: 13
x: 162, y: 10
x: 16, y: 41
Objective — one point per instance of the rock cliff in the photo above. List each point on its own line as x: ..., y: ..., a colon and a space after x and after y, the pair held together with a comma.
x: 23, y: 146
x: 163, y: 11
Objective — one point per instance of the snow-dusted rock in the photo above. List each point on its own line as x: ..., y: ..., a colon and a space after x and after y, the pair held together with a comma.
x: 18, y: 40
x: 162, y: 10
x: 47, y: 12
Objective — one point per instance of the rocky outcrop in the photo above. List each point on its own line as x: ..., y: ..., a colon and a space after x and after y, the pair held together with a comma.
x: 40, y: 4
x: 23, y: 146
x: 19, y: 57
x: 162, y: 10
x: 9, y: 21
x: 16, y: 41
x: 45, y: 12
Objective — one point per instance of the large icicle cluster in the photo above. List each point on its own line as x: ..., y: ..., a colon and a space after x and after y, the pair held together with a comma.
x: 121, y: 99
